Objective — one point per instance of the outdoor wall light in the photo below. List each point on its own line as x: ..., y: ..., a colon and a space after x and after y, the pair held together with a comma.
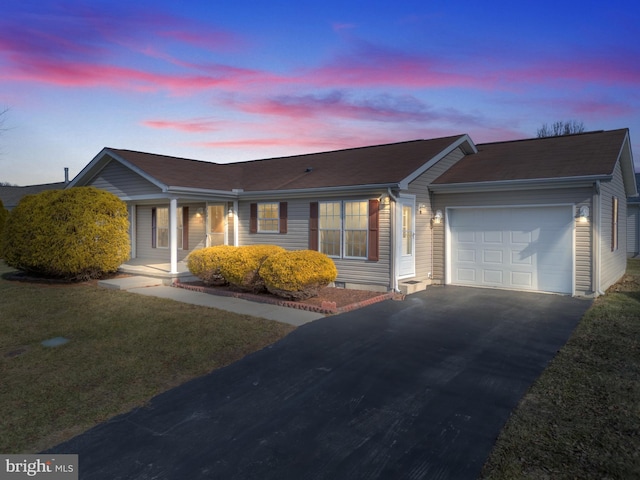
x: 584, y: 214
x: 438, y: 217
x: 422, y: 209
x: 199, y: 212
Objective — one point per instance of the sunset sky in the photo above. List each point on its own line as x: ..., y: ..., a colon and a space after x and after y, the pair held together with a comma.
x: 225, y: 81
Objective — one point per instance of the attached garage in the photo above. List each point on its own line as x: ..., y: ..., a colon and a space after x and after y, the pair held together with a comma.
x: 521, y: 248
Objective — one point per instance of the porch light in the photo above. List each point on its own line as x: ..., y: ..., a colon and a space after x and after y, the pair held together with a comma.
x: 584, y: 214
x: 438, y: 217
x: 199, y: 212
x: 422, y: 209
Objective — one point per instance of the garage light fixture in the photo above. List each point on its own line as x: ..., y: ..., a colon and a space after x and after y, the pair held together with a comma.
x: 584, y: 214
x: 438, y: 217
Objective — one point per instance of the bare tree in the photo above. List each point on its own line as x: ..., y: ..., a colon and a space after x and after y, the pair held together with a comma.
x: 560, y: 128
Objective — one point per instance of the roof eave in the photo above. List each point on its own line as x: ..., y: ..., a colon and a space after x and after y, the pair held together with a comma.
x: 464, y: 142
x: 317, y: 192
x: 625, y: 158
x: 530, y: 184
x: 100, y: 161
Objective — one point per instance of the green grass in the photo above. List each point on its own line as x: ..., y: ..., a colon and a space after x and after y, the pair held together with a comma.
x: 124, y: 349
x: 581, y: 418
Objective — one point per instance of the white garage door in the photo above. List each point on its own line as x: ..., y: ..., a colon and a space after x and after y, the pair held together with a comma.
x: 522, y: 248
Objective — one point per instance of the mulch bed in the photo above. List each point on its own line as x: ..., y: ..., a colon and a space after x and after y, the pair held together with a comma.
x: 329, y: 301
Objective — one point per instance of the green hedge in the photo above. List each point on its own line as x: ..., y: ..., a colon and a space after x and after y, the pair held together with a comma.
x: 74, y: 234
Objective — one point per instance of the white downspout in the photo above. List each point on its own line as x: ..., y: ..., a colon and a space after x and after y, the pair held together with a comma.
x: 392, y: 241
x: 173, y: 231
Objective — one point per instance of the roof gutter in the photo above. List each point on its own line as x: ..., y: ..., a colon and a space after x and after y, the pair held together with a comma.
x: 537, y: 183
x: 316, y: 192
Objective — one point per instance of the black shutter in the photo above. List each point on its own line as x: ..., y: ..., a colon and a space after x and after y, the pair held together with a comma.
x: 313, y: 226
x: 283, y: 217
x: 154, y: 228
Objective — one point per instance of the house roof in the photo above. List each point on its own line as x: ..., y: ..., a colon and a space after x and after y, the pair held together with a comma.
x: 373, y: 165
x: 582, y: 155
x: 11, y: 195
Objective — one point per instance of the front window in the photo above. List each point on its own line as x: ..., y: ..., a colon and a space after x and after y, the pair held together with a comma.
x: 268, y: 217
x: 343, y: 228
x: 330, y: 225
x: 356, y: 216
x: 162, y: 228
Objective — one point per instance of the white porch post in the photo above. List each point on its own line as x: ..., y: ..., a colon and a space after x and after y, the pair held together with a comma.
x: 173, y: 232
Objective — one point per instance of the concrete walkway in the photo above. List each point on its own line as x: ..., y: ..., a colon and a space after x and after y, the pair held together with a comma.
x: 153, y: 287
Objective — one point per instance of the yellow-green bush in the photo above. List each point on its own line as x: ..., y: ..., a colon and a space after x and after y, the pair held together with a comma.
x: 297, y: 274
x: 205, y: 263
x: 75, y: 234
x: 241, y: 268
x: 4, y: 213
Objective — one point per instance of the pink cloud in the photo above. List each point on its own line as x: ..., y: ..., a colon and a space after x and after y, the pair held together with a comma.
x: 84, y: 47
x: 190, y: 126
x: 338, y: 104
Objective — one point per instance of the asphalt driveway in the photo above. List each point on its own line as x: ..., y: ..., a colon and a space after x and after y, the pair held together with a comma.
x: 417, y: 389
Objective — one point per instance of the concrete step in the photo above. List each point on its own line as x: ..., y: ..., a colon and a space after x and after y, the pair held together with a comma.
x: 127, y: 283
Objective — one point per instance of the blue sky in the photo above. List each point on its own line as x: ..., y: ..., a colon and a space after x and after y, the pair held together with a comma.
x: 229, y: 81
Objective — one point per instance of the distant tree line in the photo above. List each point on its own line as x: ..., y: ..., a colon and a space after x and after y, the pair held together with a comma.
x: 557, y: 129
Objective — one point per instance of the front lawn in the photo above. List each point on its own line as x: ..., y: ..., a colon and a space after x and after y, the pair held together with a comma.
x: 581, y: 418
x: 123, y: 349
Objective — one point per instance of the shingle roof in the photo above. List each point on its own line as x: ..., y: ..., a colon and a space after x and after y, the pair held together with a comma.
x: 11, y: 195
x: 581, y: 155
x: 374, y: 165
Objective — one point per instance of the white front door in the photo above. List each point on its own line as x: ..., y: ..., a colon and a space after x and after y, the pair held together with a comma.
x: 215, y: 224
x: 406, y: 244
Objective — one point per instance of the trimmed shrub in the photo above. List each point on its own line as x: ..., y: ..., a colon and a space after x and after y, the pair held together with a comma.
x: 73, y: 234
x: 241, y: 268
x: 4, y: 214
x: 206, y: 263
x: 297, y: 274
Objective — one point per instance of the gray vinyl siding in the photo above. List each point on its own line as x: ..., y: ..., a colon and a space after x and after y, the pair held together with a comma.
x: 576, y: 196
x: 144, y: 249
x: 424, y: 233
x: 633, y: 235
x: 122, y: 182
x: 612, y: 264
x: 360, y: 272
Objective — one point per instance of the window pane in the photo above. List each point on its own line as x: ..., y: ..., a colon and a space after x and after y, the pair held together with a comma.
x: 355, y: 243
x: 356, y: 225
x: 356, y: 214
x: 162, y: 217
x: 163, y: 237
x: 330, y: 242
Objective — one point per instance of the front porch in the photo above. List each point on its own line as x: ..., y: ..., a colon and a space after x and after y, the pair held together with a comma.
x: 156, y: 269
